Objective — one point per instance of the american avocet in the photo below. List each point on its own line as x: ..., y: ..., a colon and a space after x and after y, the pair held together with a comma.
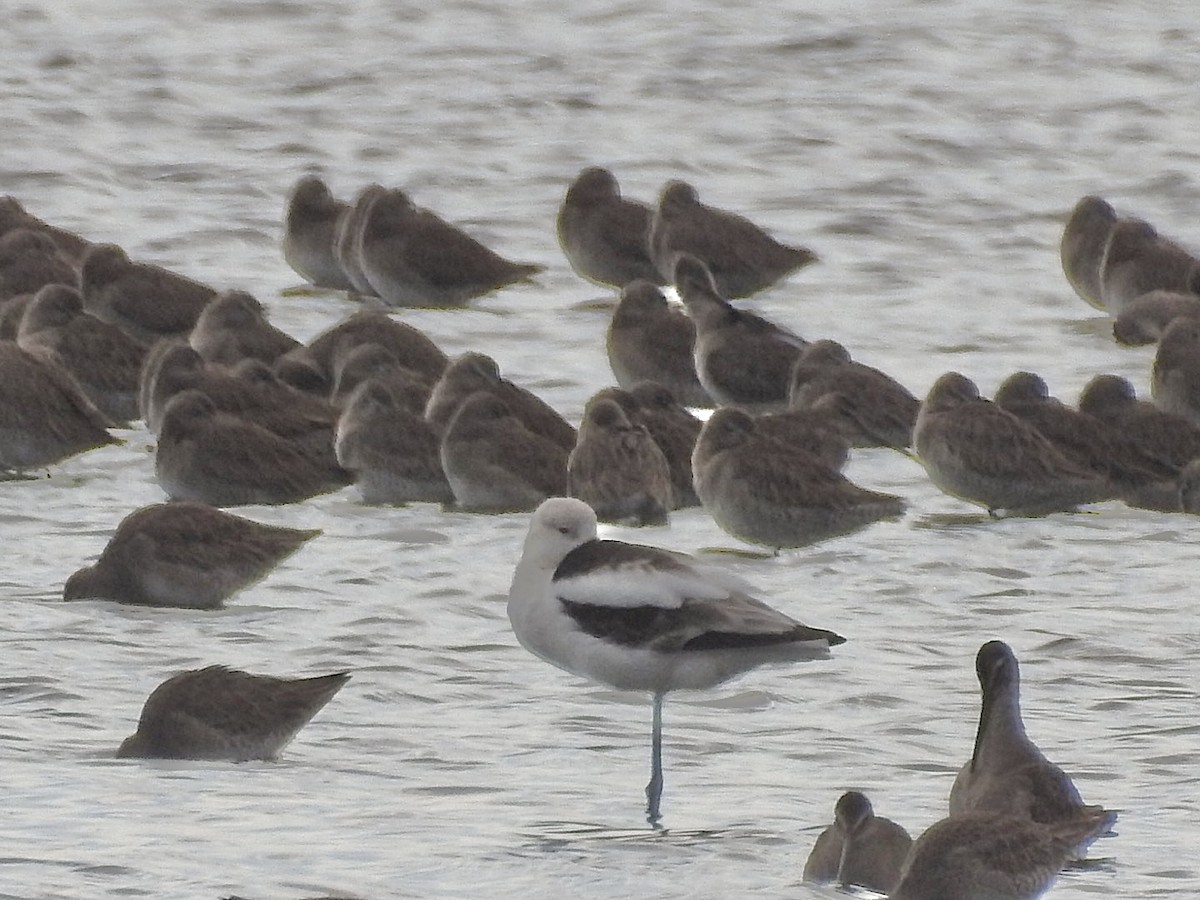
x: 859, y: 847
x: 1007, y: 773
x: 223, y: 713
x: 641, y: 619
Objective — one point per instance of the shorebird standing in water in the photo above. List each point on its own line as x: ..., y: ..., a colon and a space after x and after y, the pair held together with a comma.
x: 1007, y: 773
x: 859, y: 847
x: 642, y: 619
x: 223, y: 713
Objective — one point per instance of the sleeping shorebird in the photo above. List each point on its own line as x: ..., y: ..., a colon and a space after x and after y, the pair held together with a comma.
x: 642, y: 619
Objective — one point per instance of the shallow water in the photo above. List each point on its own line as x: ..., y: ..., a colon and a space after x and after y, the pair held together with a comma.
x: 927, y: 151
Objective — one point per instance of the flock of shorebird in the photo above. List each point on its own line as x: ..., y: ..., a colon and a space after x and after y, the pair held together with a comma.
x: 243, y: 413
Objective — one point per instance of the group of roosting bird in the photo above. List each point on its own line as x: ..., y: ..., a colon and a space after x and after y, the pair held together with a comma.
x: 243, y: 413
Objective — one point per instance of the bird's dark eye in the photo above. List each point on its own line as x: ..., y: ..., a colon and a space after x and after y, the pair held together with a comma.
x: 563, y: 529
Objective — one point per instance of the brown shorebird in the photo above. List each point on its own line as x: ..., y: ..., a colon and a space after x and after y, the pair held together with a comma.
x: 881, y: 411
x: 234, y: 327
x: 1083, y: 245
x: 1145, y: 318
x: 650, y: 340
x: 765, y: 492
x: 145, y: 301
x: 495, y: 463
x: 742, y: 257
x: 223, y: 713
x: 46, y: 417
x: 412, y: 257
x: 474, y: 372
x: 859, y: 847
x: 104, y: 361
x: 188, y: 555
x: 741, y: 359
x: 308, y: 231
x: 1007, y: 774
x: 984, y: 856
x: 604, y: 234
x: 218, y: 458
x: 976, y: 451
x: 617, y: 468
x: 393, y: 452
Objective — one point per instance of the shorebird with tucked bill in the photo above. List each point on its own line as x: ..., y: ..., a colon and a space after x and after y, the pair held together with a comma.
x: 639, y: 618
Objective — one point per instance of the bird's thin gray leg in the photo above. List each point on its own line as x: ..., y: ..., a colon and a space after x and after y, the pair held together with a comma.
x: 654, y: 788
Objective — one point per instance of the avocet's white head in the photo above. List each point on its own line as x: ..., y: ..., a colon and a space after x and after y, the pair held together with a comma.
x: 558, y: 526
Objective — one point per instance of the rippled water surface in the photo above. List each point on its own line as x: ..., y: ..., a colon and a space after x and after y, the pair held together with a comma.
x: 927, y: 151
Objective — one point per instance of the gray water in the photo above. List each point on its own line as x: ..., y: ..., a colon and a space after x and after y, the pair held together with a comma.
x: 927, y: 151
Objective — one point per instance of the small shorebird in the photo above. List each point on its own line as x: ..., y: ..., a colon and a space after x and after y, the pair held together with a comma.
x: 1139, y: 260
x: 145, y: 301
x: 982, y: 856
x: 1007, y: 773
x: 30, y: 260
x: 859, y: 848
x: 1169, y: 439
x: 347, y: 238
x: 1175, y: 375
x: 639, y: 618
x: 188, y: 555
x: 1145, y: 318
x: 741, y: 359
x: 618, y: 469
x: 218, y: 458
x: 223, y: 713
x: 234, y: 327
x: 412, y: 348
x: 603, y: 234
x: 1083, y: 245
x: 46, y: 417
x: 1093, y: 443
x: 413, y: 257
x: 742, y: 257
x: 308, y: 231
x: 766, y: 492
x: 673, y: 428
x: 882, y: 410
x: 649, y: 340
x: 13, y: 215
x: 393, y: 452
x: 104, y: 361
x: 495, y: 463
x: 474, y: 372
x: 975, y: 450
